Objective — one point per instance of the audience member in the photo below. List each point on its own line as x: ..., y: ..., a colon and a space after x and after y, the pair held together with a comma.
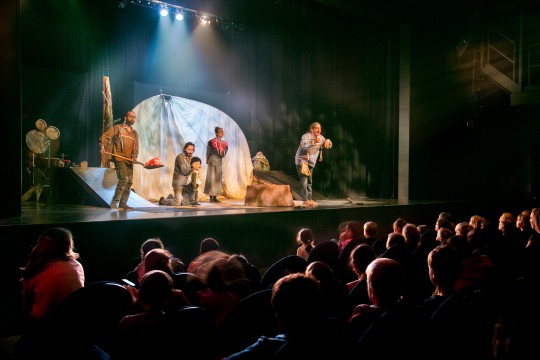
x: 398, y: 224
x: 428, y: 238
x: 523, y: 223
x: 371, y: 238
x: 147, y: 334
x: 207, y: 245
x: 298, y: 304
x: 148, y: 245
x: 414, y: 262
x: 305, y: 241
x: 478, y: 269
x: 349, y: 232
x: 534, y: 240
x: 531, y: 253
x: 387, y: 328
x: 448, y: 218
x: 226, y: 283
x: 335, y: 292
x: 51, y: 274
x: 462, y: 228
x: 445, y: 267
x: 478, y: 222
x: 385, y: 287
x: 394, y: 238
x: 360, y: 258
x: 159, y: 259
x: 443, y: 234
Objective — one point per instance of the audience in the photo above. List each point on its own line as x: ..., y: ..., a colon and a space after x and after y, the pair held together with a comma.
x: 145, y: 334
x: 159, y: 259
x: 349, y: 232
x: 398, y: 224
x: 207, y: 245
x: 148, y: 245
x: 415, y: 274
x: 445, y: 267
x: 523, y: 223
x: 385, y: 280
x: 226, y: 283
x: 305, y: 241
x: 51, y: 274
x: 298, y: 305
x: 371, y: 238
x: 360, y: 258
x: 334, y: 291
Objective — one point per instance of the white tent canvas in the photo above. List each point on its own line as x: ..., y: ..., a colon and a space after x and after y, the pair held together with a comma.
x: 165, y: 123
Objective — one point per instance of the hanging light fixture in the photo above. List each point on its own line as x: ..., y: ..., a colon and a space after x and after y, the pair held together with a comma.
x: 164, y: 10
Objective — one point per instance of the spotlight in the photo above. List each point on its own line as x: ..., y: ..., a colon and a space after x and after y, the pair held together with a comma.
x: 205, y: 20
x: 179, y: 16
x: 164, y: 11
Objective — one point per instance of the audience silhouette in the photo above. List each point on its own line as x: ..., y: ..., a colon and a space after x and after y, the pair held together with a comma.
x: 425, y: 285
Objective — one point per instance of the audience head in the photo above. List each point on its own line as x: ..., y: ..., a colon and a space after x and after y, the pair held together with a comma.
x: 385, y: 282
x: 523, y: 221
x: 208, y: 244
x: 394, y: 238
x: 361, y: 257
x: 460, y: 243
x: 535, y: 219
x: 507, y: 218
x: 320, y: 271
x: 158, y: 259
x: 155, y: 290
x: 446, y: 216
x: 477, y: 238
x: 477, y: 221
x: 350, y: 230
x: 305, y: 237
x: 55, y: 243
x: 151, y: 244
x: 297, y: 302
x: 423, y: 228
x: 445, y: 266
x: 463, y: 228
x: 443, y: 223
x: 225, y: 273
x: 370, y: 229
x: 443, y: 234
x: 398, y: 225
x: 411, y: 235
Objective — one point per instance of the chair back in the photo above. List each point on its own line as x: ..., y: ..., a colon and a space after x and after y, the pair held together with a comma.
x: 398, y: 332
x: 251, y: 318
x: 289, y: 264
x: 193, y: 331
x: 326, y: 251
x: 90, y: 315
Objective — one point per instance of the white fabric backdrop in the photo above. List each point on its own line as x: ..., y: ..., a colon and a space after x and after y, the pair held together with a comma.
x: 165, y: 123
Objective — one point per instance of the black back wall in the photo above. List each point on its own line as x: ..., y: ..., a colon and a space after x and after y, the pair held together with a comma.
x: 274, y: 69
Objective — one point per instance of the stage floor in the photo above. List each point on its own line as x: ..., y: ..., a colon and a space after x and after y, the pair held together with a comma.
x: 33, y: 212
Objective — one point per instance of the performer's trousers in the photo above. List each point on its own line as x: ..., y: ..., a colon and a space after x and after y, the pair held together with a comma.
x: 124, y: 172
x: 306, y: 183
